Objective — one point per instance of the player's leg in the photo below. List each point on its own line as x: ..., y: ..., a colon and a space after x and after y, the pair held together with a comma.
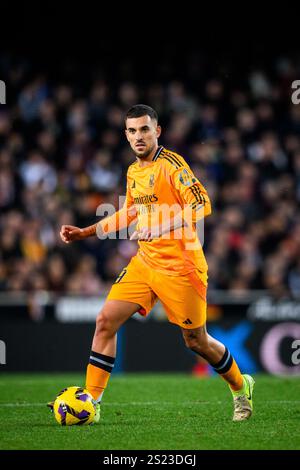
x: 218, y: 356
x: 129, y: 294
x: 113, y: 314
x: 103, y: 353
x: 184, y: 299
x: 215, y: 353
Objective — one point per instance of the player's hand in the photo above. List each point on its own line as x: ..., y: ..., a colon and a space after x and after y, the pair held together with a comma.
x: 69, y: 233
x: 144, y: 234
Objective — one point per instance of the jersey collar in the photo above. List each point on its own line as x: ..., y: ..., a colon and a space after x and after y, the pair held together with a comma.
x: 157, y: 153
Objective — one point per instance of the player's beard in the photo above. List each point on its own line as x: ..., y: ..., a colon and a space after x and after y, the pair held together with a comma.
x: 145, y: 154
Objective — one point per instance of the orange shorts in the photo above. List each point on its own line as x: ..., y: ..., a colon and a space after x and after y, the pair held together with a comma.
x: 183, y: 297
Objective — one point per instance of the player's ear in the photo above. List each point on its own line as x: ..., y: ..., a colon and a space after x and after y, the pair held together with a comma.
x: 126, y: 133
x: 158, y: 131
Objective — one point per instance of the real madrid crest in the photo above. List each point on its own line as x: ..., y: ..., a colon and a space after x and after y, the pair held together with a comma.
x: 151, y: 181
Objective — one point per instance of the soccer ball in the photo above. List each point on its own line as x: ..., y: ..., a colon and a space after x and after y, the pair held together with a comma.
x: 74, y: 405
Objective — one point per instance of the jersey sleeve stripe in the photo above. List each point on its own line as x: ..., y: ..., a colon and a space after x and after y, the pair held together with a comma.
x: 196, y: 194
x: 170, y: 160
x: 197, y: 204
x: 172, y: 156
x: 202, y: 198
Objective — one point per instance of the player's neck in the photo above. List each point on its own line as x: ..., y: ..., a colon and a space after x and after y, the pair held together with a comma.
x: 146, y: 161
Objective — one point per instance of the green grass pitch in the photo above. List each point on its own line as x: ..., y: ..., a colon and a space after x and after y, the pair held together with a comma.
x: 151, y: 412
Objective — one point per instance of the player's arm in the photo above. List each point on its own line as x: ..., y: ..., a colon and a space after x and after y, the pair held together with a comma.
x: 194, y: 198
x: 111, y: 224
x: 192, y: 193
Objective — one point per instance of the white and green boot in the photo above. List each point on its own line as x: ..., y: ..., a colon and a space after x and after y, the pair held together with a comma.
x: 97, y: 412
x: 242, y: 400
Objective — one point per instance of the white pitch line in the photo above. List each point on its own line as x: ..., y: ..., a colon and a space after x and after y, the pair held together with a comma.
x: 132, y: 403
x: 153, y: 403
x: 10, y: 405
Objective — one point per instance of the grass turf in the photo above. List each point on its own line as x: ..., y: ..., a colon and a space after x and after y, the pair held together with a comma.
x: 142, y: 411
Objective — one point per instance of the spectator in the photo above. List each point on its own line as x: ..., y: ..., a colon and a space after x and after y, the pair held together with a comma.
x: 63, y: 152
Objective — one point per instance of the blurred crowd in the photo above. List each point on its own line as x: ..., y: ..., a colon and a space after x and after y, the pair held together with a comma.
x: 63, y: 152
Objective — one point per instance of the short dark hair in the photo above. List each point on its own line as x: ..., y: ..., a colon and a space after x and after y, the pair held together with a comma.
x: 139, y: 110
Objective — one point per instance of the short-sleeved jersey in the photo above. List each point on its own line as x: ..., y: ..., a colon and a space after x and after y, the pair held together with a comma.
x: 155, y: 194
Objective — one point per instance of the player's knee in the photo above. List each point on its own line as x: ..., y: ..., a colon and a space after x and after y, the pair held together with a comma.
x: 196, y: 343
x: 190, y: 340
x: 103, y: 324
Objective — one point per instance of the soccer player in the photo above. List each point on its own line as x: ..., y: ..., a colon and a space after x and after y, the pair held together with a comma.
x: 170, y: 264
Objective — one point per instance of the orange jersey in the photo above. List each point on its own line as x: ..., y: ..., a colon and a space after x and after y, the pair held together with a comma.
x: 155, y: 194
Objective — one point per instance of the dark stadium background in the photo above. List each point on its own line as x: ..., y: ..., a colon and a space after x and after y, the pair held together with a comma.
x: 223, y: 92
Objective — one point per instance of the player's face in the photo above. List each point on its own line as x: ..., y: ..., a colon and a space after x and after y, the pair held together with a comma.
x: 142, y: 134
